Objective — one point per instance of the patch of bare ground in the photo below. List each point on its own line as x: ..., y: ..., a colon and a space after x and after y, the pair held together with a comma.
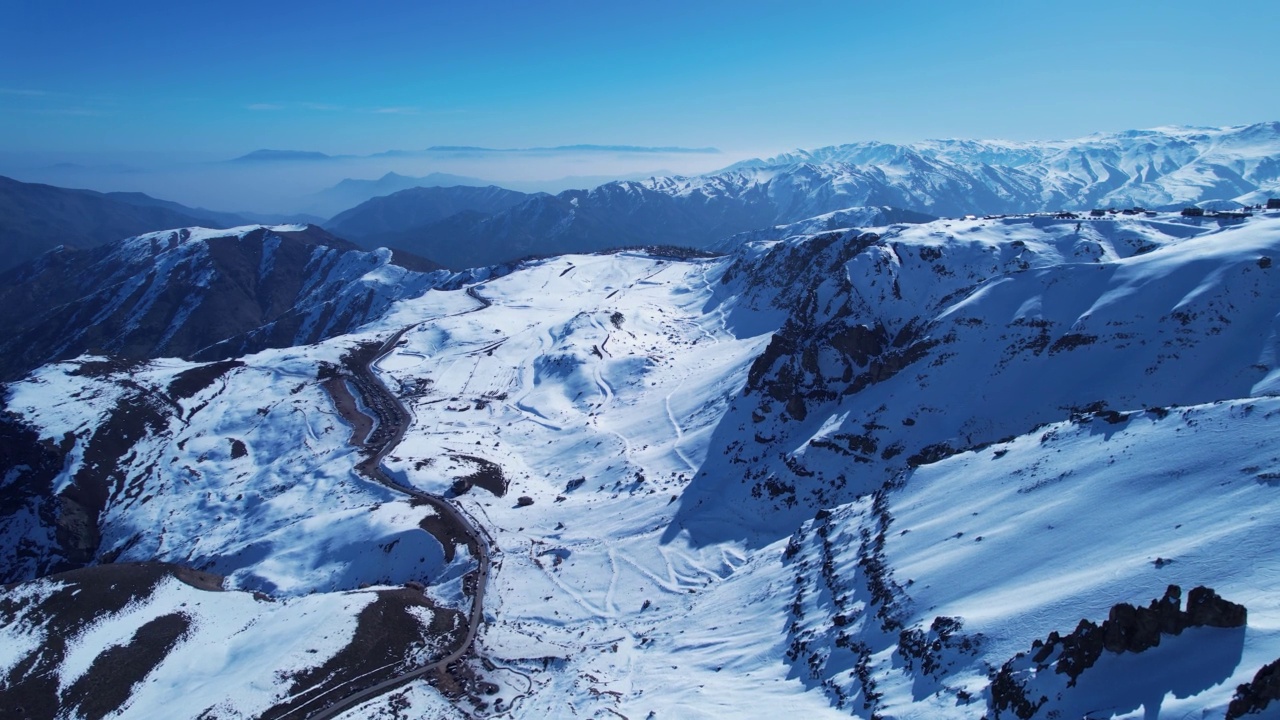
x: 488, y: 475
x: 442, y: 530
x: 100, y: 478
x: 335, y: 383
x: 114, y: 673
x: 30, y: 688
x: 387, y: 641
x: 462, y: 680
x: 189, y: 382
x: 105, y: 367
x: 29, y: 467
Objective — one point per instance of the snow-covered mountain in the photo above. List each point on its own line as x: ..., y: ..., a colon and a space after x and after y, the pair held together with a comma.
x: 1167, y: 168
x: 939, y: 470
x: 203, y: 293
x: 687, y: 212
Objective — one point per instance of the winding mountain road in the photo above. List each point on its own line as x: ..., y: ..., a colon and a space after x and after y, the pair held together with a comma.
x: 393, y: 420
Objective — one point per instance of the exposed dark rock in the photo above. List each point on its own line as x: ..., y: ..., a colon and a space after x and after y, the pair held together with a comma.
x: 1255, y: 695
x: 189, y: 382
x: 75, y: 600
x: 1206, y: 608
x: 487, y: 475
x: 1126, y: 629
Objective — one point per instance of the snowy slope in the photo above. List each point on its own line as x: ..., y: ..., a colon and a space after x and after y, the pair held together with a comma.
x: 594, y: 575
x: 847, y: 474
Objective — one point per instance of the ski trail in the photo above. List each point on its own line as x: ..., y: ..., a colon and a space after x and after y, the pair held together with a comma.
x: 671, y: 416
x: 527, y: 381
x: 578, y: 599
x: 610, y: 595
x: 697, y: 567
x: 732, y: 559
x: 720, y: 314
x: 606, y: 391
x: 626, y: 444
x: 670, y: 584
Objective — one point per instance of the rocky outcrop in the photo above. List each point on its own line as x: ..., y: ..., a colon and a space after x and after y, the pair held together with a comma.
x: 1126, y: 629
x: 1254, y: 696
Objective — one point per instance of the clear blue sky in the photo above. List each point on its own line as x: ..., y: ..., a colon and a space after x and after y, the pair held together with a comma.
x: 227, y: 77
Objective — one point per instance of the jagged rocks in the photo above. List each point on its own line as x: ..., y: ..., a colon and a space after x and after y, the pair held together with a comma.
x: 1255, y: 695
x: 1206, y: 608
x: 1127, y: 629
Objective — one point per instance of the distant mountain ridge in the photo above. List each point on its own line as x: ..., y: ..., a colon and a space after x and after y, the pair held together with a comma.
x: 1165, y: 168
x: 268, y: 155
x: 694, y: 212
x: 350, y: 192
x: 35, y: 218
x: 1160, y: 167
x: 579, y: 148
x: 282, y: 156
x: 368, y: 222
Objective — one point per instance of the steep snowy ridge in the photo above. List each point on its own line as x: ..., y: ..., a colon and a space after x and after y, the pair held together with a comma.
x: 868, y: 473
x: 971, y: 331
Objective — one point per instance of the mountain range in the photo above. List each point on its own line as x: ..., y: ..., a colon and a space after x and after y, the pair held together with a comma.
x: 375, y: 222
x: 36, y: 218
x: 1167, y: 168
x: 857, y: 460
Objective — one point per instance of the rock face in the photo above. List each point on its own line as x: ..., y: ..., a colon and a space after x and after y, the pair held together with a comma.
x: 1254, y: 696
x: 1127, y: 629
x: 180, y: 292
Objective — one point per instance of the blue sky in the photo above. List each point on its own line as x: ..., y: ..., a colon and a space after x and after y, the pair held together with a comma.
x: 225, y: 78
